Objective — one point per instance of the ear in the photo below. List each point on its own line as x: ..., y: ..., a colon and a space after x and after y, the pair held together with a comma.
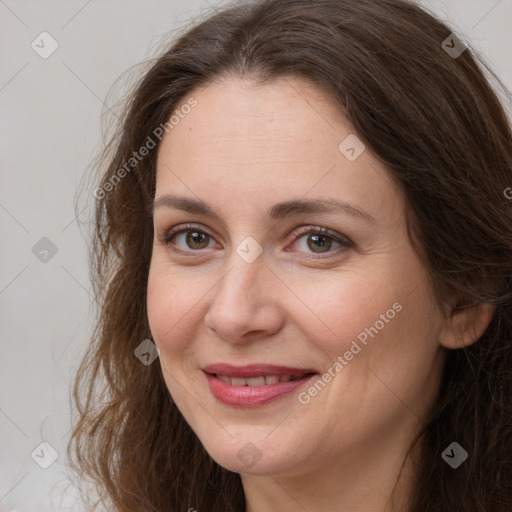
x: 466, y: 324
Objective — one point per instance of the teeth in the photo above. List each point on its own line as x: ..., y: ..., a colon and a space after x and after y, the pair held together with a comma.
x: 271, y: 379
x: 224, y: 378
x: 257, y: 381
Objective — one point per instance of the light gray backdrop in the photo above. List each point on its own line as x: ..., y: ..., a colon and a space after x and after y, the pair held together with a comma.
x: 50, y: 107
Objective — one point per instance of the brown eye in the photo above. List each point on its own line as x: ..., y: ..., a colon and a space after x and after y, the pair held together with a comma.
x: 187, y: 239
x: 320, y: 241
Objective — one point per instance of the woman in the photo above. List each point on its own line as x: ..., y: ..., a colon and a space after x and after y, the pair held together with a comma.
x: 303, y: 259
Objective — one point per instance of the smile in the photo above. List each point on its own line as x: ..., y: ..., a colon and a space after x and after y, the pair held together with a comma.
x: 254, y: 385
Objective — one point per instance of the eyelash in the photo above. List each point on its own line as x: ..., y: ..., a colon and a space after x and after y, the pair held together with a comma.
x: 344, y: 242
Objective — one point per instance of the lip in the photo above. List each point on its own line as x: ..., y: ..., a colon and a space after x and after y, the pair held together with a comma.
x: 253, y: 396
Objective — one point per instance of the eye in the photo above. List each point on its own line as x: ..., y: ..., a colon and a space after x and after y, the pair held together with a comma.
x: 193, y: 238
x: 320, y: 240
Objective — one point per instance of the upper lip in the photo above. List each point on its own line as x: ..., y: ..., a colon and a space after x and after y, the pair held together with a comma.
x: 255, y: 370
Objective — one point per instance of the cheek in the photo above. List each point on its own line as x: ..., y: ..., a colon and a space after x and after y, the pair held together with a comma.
x: 389, y: 348
x: 170, y: 307
x: 334, y: 310
x: 378, y: 343
x: 384, y: 319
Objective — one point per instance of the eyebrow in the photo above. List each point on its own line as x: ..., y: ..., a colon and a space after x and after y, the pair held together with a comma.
x: 277, y: 211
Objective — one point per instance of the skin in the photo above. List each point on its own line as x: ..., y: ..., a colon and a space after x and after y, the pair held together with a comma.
x: 242, y: 149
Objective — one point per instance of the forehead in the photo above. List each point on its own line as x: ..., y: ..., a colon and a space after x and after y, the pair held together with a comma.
x: 240, y: 107
x: 251, y: 143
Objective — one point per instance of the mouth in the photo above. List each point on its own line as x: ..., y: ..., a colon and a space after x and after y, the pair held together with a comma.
x: 254, y: 385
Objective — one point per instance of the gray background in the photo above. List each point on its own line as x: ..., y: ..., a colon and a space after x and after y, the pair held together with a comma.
x: 50, y: 121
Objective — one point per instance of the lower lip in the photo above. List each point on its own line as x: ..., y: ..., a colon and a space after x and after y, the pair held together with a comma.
x: 252, y: 396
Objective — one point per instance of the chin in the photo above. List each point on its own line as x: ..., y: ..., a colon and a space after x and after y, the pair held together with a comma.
x: 258, y: 457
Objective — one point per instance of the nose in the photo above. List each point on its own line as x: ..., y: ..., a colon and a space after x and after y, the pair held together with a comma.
x: 245, y: 303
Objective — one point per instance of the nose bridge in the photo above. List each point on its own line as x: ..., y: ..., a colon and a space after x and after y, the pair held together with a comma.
x: 239, y: 287
x: 238, y: 298
x: 246, y: 267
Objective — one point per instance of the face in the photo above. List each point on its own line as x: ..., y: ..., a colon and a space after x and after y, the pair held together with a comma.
x: 328, y: 297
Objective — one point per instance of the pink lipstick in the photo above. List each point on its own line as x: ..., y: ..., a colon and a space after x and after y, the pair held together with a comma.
x: 254, y: 385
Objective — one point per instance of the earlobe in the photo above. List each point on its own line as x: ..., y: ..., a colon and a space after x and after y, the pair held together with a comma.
x: 466, y: 325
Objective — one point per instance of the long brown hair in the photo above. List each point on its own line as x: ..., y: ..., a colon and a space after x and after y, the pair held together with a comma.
x: 434, y: 120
